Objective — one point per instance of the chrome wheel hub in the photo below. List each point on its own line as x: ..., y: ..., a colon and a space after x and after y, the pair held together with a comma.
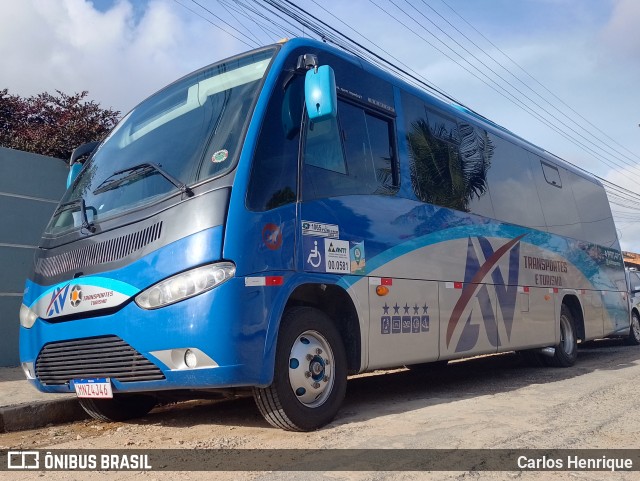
x: 311, y: 369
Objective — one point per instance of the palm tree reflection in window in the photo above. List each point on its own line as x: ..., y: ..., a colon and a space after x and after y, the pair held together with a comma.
x: 449, y: 163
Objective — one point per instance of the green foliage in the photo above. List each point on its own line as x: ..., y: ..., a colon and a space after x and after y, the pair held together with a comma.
x: 52, y: 125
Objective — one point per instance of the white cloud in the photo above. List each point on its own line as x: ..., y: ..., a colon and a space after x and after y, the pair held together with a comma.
x: 71, y: 46
x: 620, y: 35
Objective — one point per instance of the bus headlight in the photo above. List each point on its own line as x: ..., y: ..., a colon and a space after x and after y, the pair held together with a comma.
x: 185, y: 285
x: 27, y: 317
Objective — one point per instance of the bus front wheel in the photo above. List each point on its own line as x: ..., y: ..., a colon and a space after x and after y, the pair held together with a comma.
x: 310, y: 376
x: 121, y: 407
x: 567, y: 350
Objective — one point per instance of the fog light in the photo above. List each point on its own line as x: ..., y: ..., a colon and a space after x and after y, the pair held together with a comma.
x: 190, y: 358
x: 27, y: 367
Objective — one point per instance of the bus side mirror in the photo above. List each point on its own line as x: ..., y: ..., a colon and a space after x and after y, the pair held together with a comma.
x: 74, y: 170
x: 320, y: 93
x: 75, y: 165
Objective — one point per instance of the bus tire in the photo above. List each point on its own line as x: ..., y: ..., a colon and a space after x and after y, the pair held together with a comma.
x: 567, y: 348
x: 310, y: 373
x: 121, y: 407
x: 633, y: 339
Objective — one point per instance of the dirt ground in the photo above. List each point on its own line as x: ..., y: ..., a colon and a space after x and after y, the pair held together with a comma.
x: 491, y: 402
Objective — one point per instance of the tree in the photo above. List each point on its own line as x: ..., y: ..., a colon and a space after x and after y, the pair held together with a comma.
x: 52, y: 125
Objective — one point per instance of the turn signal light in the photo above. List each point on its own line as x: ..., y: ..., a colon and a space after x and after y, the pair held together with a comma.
x: 382, y: 290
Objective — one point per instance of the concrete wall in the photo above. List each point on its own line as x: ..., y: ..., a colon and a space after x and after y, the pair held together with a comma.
x: 31, y: 186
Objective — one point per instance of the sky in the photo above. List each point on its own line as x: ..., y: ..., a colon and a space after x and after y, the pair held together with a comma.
x: 581, y: 56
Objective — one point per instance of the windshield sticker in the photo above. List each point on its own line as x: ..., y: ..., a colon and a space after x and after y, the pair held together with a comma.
x: 220, y: 156
x: 320, y: 230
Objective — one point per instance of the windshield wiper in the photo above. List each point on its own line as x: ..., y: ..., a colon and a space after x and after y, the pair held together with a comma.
x: 109, y: 185
x: 86, y: 224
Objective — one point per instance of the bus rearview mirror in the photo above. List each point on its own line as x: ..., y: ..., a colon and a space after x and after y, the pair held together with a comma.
x: 320, y: 93
x: 78, y: 156
x: 74, y: 170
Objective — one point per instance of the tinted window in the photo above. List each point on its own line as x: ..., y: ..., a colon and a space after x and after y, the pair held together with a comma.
x: 594, y: 211
x: 275, y: 162
x: 323, y: 148
x: 352, y: 154
x: 513, y: 188
x: 558, y: 204
x: 448, y: 161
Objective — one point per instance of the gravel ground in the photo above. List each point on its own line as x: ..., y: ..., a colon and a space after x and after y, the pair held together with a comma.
x: 495, y: 402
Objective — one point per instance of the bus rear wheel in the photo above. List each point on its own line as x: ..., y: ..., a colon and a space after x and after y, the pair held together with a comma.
x: 634, y: 333
x: 567, y: 350
x: 310, y: 375
x: 121, y: 407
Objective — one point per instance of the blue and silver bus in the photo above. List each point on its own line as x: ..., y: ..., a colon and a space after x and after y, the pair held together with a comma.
x: 287, y: 217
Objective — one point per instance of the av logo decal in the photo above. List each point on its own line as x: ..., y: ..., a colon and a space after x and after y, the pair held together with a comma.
x: 475, y: 274
x: 76, y: 296
x: 58, y: 298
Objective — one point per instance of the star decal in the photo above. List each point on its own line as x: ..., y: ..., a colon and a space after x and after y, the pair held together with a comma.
x: 406, y: 308
x: 396, y: 309
x: 415, y: 309
x: 424, y: 309
x: 385, y: 308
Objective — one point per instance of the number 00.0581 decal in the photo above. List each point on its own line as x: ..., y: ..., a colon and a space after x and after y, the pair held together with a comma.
x: 333, y: 255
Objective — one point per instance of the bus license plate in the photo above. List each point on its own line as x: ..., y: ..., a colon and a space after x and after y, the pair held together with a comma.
x: 93, y: 388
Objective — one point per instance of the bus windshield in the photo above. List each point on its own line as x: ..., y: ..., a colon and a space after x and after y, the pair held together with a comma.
x: 188, y: 132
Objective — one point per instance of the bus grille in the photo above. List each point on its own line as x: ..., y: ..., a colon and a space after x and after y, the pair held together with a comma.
x: 99, y: 253
x: 108, y: 356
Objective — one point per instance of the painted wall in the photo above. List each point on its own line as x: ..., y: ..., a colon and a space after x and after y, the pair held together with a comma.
x: 30, y: 187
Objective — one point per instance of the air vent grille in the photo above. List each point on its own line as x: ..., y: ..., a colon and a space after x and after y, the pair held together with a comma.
x: 95, y: 357
x: 99, y: 253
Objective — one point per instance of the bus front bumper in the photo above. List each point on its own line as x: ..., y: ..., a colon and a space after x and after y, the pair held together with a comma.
x: 199, y: 343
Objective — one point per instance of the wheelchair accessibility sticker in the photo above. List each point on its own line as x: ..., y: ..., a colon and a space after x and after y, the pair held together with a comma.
x: 332, y: 255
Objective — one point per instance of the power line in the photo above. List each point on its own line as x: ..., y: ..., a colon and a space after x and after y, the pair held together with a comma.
x: 215, y: 25
x: 242, y: 10
x: 228, y: 10
x: 536, y: 80
x: 494, y: 85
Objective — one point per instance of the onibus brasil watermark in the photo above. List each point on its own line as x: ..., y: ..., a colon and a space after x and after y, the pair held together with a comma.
x: 330, y: 460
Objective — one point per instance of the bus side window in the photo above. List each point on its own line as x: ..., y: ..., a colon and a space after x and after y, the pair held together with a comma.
x: 323, y: 148
x: 350, y: 155
x: 275, y: 161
